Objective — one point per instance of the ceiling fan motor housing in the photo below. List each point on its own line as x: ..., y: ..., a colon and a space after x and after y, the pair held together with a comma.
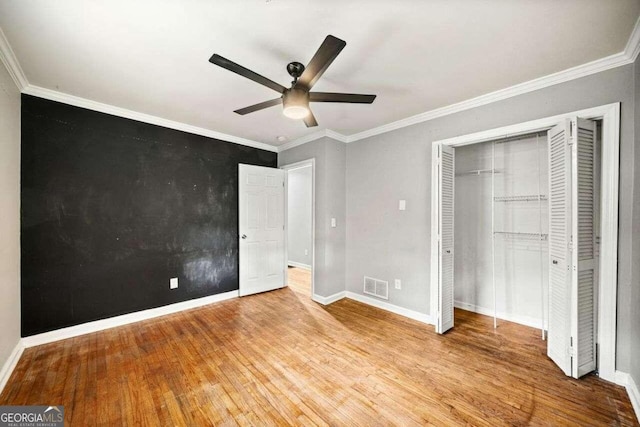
x: 295, y: 69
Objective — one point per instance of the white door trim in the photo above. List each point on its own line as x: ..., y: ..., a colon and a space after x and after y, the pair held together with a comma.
x: 287, y: 168
x: 609, y: 183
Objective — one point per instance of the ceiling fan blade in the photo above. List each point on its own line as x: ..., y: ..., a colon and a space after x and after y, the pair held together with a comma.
x: 245, y: 72
x: 260, y: 106
x: 328, y: 51
x: 352, y: 98
x: 310, y: 120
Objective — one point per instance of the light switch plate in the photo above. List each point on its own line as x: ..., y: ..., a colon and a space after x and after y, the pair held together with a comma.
x: 333, y: 222
x: 173, y: 283
x: 402, y: 205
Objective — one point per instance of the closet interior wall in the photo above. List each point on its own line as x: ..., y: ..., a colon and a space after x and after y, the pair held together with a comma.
x: 520, y: 212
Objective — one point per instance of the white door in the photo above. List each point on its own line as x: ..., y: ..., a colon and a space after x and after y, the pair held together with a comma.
x: 446, y: 176
x: 261, y: 217
x: 571, y: 339
x: 584, y: 260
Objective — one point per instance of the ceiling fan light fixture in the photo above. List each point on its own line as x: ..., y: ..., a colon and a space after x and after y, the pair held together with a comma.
x: 295, y: 104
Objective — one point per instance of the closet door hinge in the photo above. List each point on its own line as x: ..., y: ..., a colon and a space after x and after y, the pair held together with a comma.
x: 572, y: 132
x: 571, y: 350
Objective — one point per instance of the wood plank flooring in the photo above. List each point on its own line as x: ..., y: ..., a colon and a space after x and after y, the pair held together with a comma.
x: 280, y: 359
x: 299, y: 280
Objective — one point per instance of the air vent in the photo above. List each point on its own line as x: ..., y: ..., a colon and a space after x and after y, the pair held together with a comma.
x: 375, y: 287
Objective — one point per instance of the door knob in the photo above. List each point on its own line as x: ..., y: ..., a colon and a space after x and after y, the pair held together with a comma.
x: 244, y: 236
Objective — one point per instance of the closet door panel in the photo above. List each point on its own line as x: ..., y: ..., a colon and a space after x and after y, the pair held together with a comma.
x: 559, y: 335
x: 446, y: 178
x: 584, y: 253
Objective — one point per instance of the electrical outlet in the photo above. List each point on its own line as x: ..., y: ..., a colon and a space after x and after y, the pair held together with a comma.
x: 398, y: 284
x: 333, y: 222
x: 173, y: 283
x: 306, y: 251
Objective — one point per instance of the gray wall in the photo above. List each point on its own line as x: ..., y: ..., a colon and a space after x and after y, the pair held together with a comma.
x: 634, y: 302
x: 387, y: 243
x: 10, y: 208
x: 299, y: 216
x: 330, y: 157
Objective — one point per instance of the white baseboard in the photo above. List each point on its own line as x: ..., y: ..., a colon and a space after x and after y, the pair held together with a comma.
x: 299, y: 265
x: 626, y: 380
x: 522, y: 320
x: 10, y: 364
x: 328, y: 300
x: 125, y: 319
x: 420, y: 317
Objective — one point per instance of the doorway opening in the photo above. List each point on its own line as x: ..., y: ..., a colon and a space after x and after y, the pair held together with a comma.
x: 300, y: 220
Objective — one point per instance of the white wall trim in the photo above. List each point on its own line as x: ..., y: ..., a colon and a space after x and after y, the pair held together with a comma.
x: 626, y: 380
x: 632, y: 49
x: 141, y: 117
x: 330, y: 299
x: 125, y: 319
x: 610, y: 115
x: 411, y: 314
x: 529, y: 321
x: 625, y: 57
x: 584, y: 70
x: 11, y: 63
x: 10, y: 364
x: 299, y: 265
x: 312, y: 137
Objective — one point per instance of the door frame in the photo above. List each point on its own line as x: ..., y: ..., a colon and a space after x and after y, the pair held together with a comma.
x: 287, y: 168
x: 609, y: 194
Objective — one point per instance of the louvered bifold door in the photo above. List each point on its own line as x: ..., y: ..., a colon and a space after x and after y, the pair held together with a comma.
x: 446, y: 175
x: 584, y: 247
x: 559, y: 335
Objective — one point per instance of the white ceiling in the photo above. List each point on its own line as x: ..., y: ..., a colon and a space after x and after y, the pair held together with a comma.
x: 151, y: 56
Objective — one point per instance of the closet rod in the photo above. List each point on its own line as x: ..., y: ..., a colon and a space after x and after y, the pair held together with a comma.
x: 522, y: 235
x: 523, y: 198
x: 519, y: 137
x: 477, y: 172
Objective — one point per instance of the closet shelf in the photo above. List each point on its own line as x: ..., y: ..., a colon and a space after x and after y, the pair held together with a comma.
x: 527, y: 198
x: 477, y: 172
x: 521, y: 236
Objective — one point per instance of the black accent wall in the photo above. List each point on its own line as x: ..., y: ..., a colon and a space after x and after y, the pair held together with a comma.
x: 113, y: 208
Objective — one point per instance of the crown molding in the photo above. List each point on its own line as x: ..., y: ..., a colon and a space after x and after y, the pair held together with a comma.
x: 584, y: 70
x: 141, y: 117
x: 11, y: 63
x: 628, y: 56
x: 633, y: 44
x: 312, y: 137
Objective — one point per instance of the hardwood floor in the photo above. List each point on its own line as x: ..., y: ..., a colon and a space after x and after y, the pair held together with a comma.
x: 279, y: 358
x: 300, y: 280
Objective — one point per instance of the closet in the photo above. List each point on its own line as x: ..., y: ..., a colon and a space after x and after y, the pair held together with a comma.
x: 501, y: 229
x: 517, y: 231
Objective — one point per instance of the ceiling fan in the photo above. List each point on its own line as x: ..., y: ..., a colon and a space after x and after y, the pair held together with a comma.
x: 295, y: 100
